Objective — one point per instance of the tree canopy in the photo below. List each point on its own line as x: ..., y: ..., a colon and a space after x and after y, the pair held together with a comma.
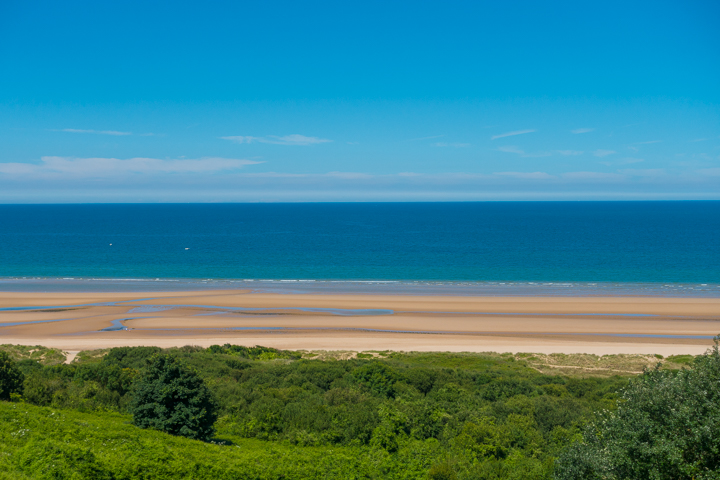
x: 667, y: 426
x: 11, y: 378
x: 171, y: 397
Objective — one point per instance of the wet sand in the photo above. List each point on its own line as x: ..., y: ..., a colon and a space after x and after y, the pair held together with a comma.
x: 600, y: 325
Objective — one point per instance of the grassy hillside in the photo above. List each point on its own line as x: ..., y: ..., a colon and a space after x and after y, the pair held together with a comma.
x: 41, y: 442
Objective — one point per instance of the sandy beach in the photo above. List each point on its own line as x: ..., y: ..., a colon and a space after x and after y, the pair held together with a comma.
x: 599, y: 325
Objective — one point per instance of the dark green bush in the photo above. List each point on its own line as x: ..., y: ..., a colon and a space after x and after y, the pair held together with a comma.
x: 506, y: 388
x: 442, y: 471
x: 11, y: 378
x: 378, y: 377
x: 40, y: 388
x: 421, y: 378
x: 130, y: 357
x: 667, y: 426
x: 170, y: 397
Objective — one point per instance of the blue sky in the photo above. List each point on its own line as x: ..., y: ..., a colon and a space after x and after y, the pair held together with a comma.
x: 342, y: 101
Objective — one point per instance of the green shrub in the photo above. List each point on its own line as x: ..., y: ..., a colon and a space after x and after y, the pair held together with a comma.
x: 506, y: 388
x: 11, y: 378
x: 130, y: 357
x: 442, y: 471
x: 420, y: 378
x: 39, y: 389
x: 172, y: 398
x: 666, y: 427
x: 377, y: 377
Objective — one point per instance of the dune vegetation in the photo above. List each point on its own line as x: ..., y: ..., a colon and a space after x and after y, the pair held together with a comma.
x: 294, y: 415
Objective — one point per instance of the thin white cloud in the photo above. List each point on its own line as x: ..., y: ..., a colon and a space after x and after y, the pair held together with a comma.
x: 569, y: 152
x: 511, y: 134
x: 538, y: 155
x: 582, y: 130
x: 624, y: 161
x: 337, y: 175
x: 294, y: 139
x: 593, y: 176
x: 526, y: 175
x: 109, y: 167
x: 97, y: 132
x: 425, y: 138
x: 454, y: 145
x: 603, y: 153
x: 648, y: 172
x: 637, y: 149
x: 522, y: 153
x: 240, y: 185
x: 349, y: 175
x: 511, y: 149
x: 13, y: 168
x: 240, y: 139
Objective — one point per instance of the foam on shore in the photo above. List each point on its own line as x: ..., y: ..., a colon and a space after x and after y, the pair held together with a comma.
x: 364, y: 287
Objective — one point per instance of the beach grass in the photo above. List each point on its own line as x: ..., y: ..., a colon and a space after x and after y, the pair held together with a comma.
x: 37, y: 353
x: 571, y: 365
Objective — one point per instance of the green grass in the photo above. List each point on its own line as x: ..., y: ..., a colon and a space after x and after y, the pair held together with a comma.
x: 48, y: 443
x: 682, y: 360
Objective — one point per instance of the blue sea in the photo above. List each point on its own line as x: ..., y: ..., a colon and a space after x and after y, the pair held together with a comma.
x: 486, y: 247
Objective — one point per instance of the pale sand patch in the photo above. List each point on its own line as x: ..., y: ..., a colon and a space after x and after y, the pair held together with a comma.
x: 70, y: 355
x: 419, y: 323
x: 364, y: 343
x: 428, y: 323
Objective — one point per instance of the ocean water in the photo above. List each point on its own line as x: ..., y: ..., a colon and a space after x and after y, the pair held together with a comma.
x: 590, y: 245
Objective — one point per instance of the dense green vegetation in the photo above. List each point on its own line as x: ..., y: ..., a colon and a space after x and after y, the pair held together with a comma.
x: 51, y: 443
x: 11, y: 378
x: 417, y: 415
x: 400, y: 416
x: 666, y: 427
